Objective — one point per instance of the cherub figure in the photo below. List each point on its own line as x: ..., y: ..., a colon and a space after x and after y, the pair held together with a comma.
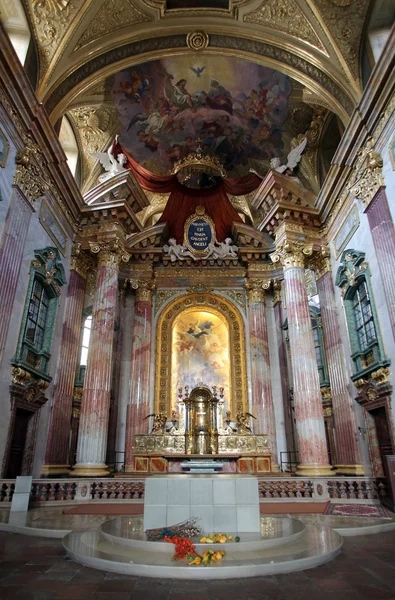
x: 242, y: 419
x: 177, y: 251
x: 159, y: 425
x: 112, y: 165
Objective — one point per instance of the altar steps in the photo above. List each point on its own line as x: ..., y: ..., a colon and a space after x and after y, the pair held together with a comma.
x: 283, y: 546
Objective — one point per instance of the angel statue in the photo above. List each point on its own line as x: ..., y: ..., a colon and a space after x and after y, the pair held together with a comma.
x: 293, y: 159
x: 221, y: 250
x: 160, y: 420
x: 112, y: 165
x: 242, y: 419
x: 177, y: 251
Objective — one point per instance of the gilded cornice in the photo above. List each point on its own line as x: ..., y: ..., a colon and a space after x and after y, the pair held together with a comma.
x: 291, y: 254
x: 110, y: 253
x: 112, y: 16
x: 285, y: 15
x: 256, y: 289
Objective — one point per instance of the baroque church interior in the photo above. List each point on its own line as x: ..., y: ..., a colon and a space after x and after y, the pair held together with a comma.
x: 196, y: 253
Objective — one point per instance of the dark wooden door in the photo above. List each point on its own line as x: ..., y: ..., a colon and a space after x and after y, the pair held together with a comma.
x: 383, y: 433
x: 18, y: 443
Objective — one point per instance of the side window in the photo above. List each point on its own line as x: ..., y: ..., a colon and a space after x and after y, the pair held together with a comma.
x: 38, y: 322
x: 367, y: 351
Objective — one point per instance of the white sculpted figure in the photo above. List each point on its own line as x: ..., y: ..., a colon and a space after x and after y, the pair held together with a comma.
x: 222, y: 250
x: 293, y: 159
x: 112, y: 165
x: 177, y: 251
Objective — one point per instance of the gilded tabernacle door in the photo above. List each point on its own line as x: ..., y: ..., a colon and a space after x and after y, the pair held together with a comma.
x: 200, y: 340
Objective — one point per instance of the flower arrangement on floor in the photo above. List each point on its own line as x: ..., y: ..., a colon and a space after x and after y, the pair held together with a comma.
x: 188, y: 528
x: 186, y: 549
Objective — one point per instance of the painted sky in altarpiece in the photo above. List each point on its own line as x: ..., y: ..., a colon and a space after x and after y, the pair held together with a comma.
x: 236, y: 108
x: 200, y: 352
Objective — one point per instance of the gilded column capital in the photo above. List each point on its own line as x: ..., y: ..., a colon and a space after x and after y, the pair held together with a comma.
x: 368, y: 177
x: 291, y: 254
x: 144, y: 289
x: 276, y: 291
x: 28, y: 176
x: 79, y: 263
x: 320, y: 262
x: 256, y: 290
x: 110, y: 253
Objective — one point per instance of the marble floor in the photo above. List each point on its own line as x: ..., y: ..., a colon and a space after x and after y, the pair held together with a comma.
x: 33, y: 568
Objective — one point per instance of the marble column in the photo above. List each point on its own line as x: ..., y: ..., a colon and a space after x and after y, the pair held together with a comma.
x: 57, y: 450
x: 282, y: 356
x: 138, y: 406
x: 261, y: 383
x: 383, y: 234
x: 310, y: 427
x: 11, y: 253
x: 92, y: 435
x: 348, y: 456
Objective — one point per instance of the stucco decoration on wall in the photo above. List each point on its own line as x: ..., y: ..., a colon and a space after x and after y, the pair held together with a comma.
x: 236, y: 108
x: 4, y: 149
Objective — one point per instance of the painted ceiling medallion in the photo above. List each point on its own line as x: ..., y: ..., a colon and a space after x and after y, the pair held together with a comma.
x: 198, y: 40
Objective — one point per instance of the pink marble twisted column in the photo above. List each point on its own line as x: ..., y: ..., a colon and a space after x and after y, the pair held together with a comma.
x: 310, y: 427
x: 383, y: 234
x: 11, y: 253
x: 57, y: 451
x: 346, y: 445
x: 92, y: 436
x: 261, y: 384
x: 138, y: 407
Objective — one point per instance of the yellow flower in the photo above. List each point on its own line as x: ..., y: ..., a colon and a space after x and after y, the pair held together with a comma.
x: 195, y: 561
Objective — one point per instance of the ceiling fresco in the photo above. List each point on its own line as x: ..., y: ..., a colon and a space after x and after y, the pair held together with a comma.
x: 237, y: 109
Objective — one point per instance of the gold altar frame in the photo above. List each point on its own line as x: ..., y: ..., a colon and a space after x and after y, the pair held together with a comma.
x: 220, y: 307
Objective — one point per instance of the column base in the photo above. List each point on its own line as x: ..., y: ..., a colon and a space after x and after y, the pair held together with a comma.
x: 315, y: 471
x: 90, y: 470
x: 276, y: 468
x: 48, y: 470
x: 350, y: 470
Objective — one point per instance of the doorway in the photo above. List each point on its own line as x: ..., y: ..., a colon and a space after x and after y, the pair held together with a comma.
x: 383, y: 434
x: 18, y: 443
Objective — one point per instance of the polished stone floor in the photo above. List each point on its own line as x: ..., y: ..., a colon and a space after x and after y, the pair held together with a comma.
x: 33, y: 568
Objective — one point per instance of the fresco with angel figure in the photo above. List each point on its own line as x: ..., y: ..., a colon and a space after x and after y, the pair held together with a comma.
x: 235, y: 107
x: 200, y: 352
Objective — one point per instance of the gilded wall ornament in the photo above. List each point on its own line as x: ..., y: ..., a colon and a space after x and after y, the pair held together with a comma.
x: 321, y: 262
x: 112, y: 16
x: 29, y: 177
x: 198, y: 40
x: 352, y: 266
x: 381, y: 376
x: 369, y: 175
x: 79, y: 261
x: 256, y: 289
x: 284, y: 15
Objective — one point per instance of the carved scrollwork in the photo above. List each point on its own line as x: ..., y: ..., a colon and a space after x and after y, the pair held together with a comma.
x: 291, y: 254
x: 198, y: 40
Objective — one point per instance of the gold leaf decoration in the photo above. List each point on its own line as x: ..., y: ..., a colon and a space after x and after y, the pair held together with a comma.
x: 284, y: 15
x: 111, y: 16
x: 345, y: 20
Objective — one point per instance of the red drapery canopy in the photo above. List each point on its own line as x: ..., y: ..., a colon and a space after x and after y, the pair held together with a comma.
x: 183, y: 201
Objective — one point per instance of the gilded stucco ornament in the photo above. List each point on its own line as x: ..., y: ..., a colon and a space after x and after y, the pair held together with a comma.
x: 291, y: 254
x: 284, y: 15
x: 28, y: 176
x: 276, y: 291
x: 79, y: 261
x: 144, y: 289
x: 110, y: 253
x: 198, y: 40
x: 381, y: 376
x: 112, y: 16
x: 369, y: 175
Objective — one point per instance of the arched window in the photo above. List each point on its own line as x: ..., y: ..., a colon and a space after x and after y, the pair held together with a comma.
x: 69, y: 145
x: 15, y: 23
x: 38, y: 322
x: 85, y: 341
x: 367, y: 349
